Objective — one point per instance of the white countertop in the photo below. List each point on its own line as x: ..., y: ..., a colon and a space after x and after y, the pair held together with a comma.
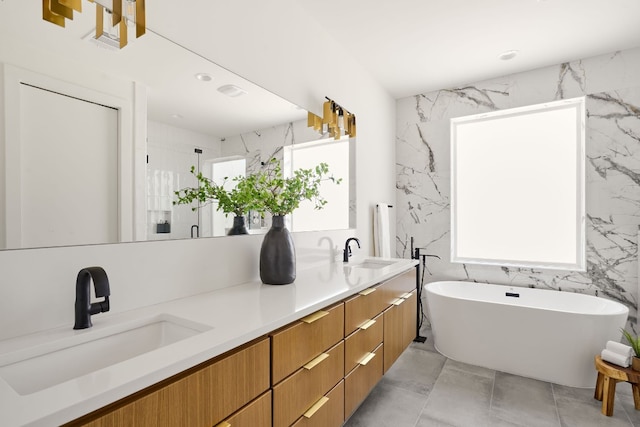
x: 236, y: 315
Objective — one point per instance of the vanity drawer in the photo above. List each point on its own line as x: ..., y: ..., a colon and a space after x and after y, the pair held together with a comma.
x: 255, y: 414
x: 364, y: 306
x: 330, y: 414
x: 302, y: 341
x: 364, y: 340
x: 201, y: 396
x: 361, y: 380
x: 398, y: 287
x: 296, y: 394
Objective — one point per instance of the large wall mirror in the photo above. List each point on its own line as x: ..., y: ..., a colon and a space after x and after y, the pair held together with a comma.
x: 94, y: 141
x: 518, y: 187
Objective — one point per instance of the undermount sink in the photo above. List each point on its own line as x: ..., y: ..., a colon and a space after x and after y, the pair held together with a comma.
x: 91, y: 350
x: 372, y: 263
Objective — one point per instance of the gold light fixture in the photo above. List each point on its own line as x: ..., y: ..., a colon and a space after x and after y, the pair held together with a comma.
x: 111, y: 27
x: 335, y: 120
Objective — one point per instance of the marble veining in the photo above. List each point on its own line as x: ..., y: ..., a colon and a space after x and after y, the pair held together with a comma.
x: 611, y: 85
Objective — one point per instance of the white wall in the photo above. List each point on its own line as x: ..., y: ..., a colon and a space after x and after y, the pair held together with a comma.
x: 278, y: 46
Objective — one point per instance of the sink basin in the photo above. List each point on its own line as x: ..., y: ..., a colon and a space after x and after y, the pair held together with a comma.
x: 372, y: 263
x: 90, y: 350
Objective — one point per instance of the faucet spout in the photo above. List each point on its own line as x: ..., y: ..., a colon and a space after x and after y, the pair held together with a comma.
x: 83, y: 306
x: 347, y: 249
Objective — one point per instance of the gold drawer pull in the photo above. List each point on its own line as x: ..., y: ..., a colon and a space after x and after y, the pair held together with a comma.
x: 407, y: 295
x: 223, y: 424
x: 315, y: 316
x: 366, y: 359
x: 398, y: 301
x: 315, y: 361
x: 366, y: 292
x: 366, y: 325
x: 315, y: 407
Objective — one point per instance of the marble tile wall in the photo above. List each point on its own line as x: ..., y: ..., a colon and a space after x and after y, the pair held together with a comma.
x: 611, y: 84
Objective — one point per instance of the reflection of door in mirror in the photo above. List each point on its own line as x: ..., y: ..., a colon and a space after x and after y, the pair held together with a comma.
x: 172, y: 151
x: 76, y: 142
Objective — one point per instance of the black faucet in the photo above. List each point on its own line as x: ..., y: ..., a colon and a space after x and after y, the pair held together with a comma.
x: 195, y: 227
x: 84, y: 308
x: 347, y: 249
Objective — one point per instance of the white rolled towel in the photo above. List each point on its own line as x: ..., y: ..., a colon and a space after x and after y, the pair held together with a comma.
x: 620, y: 348
x: 615, y: 358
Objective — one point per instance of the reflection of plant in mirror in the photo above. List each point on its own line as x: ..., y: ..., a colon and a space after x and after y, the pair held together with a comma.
x: 240, y: 200
x: 281, y: 196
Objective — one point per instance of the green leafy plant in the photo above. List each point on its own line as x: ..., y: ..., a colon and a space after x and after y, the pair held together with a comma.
x: 281, y: 196
x: 238, y: 201
x: 633, y: 341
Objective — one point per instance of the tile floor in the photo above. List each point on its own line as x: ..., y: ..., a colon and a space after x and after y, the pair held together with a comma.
x: 424, y: 389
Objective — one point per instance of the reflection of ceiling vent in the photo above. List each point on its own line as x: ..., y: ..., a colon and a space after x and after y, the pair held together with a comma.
x: 231, y: 90
x: 105, y: 41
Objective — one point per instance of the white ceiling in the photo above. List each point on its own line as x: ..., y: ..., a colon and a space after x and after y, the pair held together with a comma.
x: 416, y: 46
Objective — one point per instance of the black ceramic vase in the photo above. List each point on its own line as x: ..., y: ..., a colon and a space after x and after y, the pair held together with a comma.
x: 277, y: 255
x: 238, y: 227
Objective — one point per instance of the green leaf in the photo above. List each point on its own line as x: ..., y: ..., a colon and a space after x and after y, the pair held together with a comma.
x: 633, y: 342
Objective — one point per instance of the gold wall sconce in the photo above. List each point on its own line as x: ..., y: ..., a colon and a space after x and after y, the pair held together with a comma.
x: 335, y: 120
x: 113, y: 28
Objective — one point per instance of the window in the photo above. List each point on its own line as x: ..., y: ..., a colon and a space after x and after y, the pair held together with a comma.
x: 335, y: 214
x: 517, y: 186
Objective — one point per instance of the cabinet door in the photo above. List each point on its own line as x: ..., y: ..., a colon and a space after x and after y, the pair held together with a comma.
x: 393, y: 335
x: 399, y: 328
x: 410, y: 313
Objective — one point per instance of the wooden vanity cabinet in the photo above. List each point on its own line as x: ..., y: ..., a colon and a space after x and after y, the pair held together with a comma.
x: 202, y: 396
x: 379, y: 325
x: 314, y: 372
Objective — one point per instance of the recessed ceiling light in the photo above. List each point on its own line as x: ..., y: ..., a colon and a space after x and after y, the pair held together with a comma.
x: 508, y: 54
x: 231, y: 90
x: 204, y: 77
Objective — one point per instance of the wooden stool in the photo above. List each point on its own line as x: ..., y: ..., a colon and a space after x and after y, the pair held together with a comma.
x: 608, y: 376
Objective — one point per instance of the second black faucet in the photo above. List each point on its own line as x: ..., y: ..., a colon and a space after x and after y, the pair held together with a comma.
x: 347, y: 249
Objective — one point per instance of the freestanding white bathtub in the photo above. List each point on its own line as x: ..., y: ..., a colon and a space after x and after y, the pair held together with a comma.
x: 547, y: 335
